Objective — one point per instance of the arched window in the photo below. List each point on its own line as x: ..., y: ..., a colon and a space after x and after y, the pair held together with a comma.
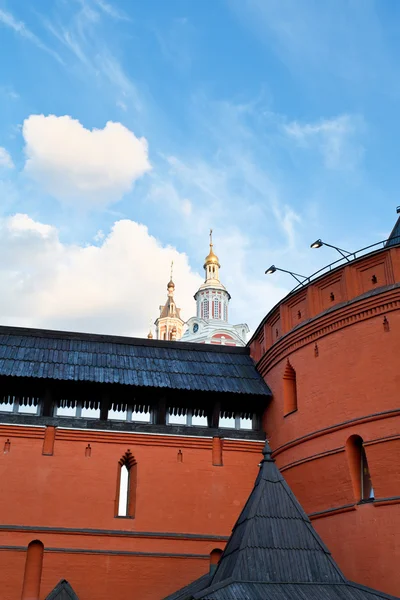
x: 289, y: 390
x: 359, y: 470
x: 205, y: 309
x: 225, y: 311
x: 125, y: 501
x: 33, y: 571
x: 215, y: 556
x: 216, y: 308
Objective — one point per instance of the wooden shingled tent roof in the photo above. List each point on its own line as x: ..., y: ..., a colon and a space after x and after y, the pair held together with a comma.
x: 274, y: 553
x: 62, y: 591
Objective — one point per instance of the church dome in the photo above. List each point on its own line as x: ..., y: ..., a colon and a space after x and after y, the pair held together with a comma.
x: 211, y: 259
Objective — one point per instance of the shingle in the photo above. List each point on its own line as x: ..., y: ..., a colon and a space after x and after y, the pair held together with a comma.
x: 62, y: 591
x: 274, y: 553
x: 394, y: 237
x: 43, y: 354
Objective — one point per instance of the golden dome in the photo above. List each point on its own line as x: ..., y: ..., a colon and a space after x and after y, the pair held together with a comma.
x: 211, y: 259
x: 150, y: 335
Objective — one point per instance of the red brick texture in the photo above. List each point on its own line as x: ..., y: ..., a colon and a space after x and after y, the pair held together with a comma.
x: 348, y: 386
x: 73, y: 493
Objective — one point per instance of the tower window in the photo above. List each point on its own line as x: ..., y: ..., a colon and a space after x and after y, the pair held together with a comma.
x: 359, y: 470
x: 289, y: 390
x: 217, y: 314
x: 125, y: 503
x: 205, y: 309
x: 225, y: 311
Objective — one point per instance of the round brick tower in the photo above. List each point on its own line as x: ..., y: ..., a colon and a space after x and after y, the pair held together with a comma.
x: 330, y: 354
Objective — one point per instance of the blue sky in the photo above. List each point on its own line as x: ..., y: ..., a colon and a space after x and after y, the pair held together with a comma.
x: 272, y: 121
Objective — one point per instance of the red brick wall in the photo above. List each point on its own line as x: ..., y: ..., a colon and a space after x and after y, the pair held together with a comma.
x: 348, y: 381
x: 70, y: 490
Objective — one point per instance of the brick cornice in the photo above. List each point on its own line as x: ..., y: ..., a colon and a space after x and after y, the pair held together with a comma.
x: 198, y: 537
x: 388, y: 438
x: 337, y: 427
x: 114, y: 437
x: 332, y: 511
x: 339, y: 317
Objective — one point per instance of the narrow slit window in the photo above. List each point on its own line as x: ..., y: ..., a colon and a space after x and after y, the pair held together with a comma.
x: 289, y: 390
x: 125, y: 503
x: 367, y: 491
x: 216, y: 309
x: 123, y: 492
x: 359, y: 469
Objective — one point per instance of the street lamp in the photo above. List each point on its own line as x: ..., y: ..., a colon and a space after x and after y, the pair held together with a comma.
x: 318, y: 243
x: 273, y: 268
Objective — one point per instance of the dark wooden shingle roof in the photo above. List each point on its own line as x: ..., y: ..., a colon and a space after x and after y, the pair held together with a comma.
x: 132, y: 361
x: 394, y: 237
x: 186, y: 593
x: 62, y: 591
x: 274, y: 553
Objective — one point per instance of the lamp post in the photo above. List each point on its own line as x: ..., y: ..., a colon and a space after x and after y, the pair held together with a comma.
x: 273, y: 268
x: 345, y: 253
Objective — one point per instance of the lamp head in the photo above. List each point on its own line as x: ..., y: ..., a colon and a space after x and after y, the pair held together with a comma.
x: 271, y: 270
x: 317, y: 244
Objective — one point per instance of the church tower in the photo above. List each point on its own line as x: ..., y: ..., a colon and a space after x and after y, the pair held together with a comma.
x: 169, y: 325
x: 212, y: 299
x: 211, y: 323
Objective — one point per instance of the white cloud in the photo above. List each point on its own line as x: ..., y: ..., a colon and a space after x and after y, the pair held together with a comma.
x: 7, y: 19
x: 333, y: 137
x: 76, y: 164
x: 5, y: 159
x: 9, y: 92
x: 186, y: 207
x: 287, y: 218
x: 114, y: 288
x: 21, y: 224
x: 81, y: 36
x: 111, y: 11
